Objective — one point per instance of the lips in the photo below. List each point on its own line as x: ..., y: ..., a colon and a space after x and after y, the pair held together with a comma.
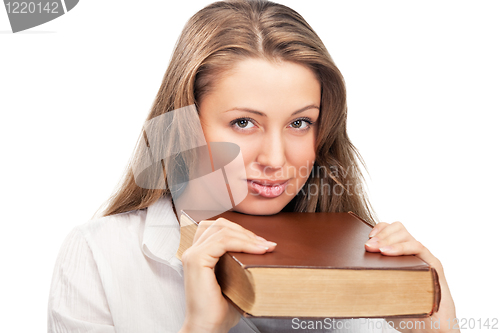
x: 268, y: 188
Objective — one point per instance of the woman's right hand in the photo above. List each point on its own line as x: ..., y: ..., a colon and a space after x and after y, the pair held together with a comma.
x: 206, y: 309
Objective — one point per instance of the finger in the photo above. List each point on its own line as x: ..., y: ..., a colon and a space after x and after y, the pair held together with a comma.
x: 377, y: 228
x: 208, y: 252
x: 236, y: 241
x: 404, y: 248
x: 223, y: 231
x: 210, y: 227
x: 390, y: 228
x: 398, y: 236
x: 202, y: 227
x: 426, y: 255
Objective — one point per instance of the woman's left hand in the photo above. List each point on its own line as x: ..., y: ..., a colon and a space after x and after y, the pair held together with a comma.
x: 394, y: 240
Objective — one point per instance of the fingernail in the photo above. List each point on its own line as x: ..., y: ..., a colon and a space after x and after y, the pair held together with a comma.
x: 262, y: 246
x: 372, y: 233
x: 385, y: 249
x: 267, y: 243
x: 372, y: 242
x: 260, y: 238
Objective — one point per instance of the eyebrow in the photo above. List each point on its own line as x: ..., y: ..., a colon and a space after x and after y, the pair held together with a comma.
x: 311, y: 106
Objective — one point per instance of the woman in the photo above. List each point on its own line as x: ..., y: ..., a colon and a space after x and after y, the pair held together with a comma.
x: 256, y: 75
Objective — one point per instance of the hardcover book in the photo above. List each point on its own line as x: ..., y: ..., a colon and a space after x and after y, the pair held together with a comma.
x: 320, y: 268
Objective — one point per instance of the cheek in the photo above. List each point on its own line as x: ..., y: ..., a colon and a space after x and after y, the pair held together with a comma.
x: 249, y: 150
x: 301, y: 155
x: 210, y: 133
x: 249, y: 147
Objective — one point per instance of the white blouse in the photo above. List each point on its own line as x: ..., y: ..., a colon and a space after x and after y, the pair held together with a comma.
x: 119, y: 274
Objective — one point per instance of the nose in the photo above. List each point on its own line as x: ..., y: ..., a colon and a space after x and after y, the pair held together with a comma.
x: 272, y: 151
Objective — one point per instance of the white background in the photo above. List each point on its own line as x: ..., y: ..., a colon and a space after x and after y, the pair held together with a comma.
x: 423, y: 95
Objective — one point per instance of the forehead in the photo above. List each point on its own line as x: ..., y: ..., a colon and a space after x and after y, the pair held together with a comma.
x: 267, y: 86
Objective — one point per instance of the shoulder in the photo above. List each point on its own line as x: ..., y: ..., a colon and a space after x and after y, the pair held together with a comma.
x: 93, y: 248
x: 103, y: 237
x: 113, y: 222
x: 84, y: 271
x: 113, y: 229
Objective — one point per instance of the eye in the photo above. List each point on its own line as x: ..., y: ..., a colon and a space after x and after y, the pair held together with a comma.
x: 242, y: 123
x: 302, y: 123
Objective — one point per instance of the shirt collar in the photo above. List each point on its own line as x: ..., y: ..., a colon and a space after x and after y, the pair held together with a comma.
x: 161, y: 236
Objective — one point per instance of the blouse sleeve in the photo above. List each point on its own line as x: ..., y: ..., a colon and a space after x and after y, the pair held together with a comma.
x: 77, y: 302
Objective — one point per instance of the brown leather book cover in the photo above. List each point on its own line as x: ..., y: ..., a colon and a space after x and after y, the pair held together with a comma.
x: 331, y: 240
x: 316, y: 240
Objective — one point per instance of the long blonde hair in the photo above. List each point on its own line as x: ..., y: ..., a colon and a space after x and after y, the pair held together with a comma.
x: 212, y: 41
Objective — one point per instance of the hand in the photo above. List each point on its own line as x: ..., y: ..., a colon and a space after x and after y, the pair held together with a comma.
x: 206, y: 309
x: 394, y: 240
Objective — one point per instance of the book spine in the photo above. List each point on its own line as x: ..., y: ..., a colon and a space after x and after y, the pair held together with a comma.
x: 437, y: 291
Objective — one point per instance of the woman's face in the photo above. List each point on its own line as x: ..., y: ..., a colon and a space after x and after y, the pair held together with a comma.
x: 270, y: 111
